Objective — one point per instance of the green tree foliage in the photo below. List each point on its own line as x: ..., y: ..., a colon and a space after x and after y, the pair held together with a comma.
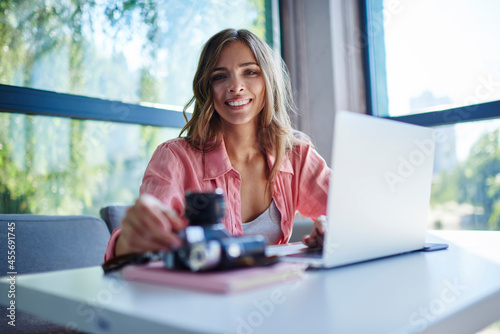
x: 51, y: 165
x: 475, y: 181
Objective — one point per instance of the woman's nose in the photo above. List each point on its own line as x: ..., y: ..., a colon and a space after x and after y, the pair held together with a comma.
x: 236, y: 85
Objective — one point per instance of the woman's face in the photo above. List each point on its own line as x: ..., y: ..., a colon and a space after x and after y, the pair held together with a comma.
x: 238, y: 85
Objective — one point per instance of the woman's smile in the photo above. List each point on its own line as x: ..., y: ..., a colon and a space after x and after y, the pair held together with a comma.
x: 238, y: 102
x: 238, y: 85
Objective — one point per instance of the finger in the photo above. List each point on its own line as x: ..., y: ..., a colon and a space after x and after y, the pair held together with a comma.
x: 136, y: 244
x: 159, y: 238
x: 140, y: 245
x: 165, y: 231
x: 137, y: 240
x: 153, y: 208
x: 133, y: 225
x: 318, y: 240
x: 150, y: 212
x: 310, y: 240
x: 313, y: 241
x: 148, y: 228
x: 320, y: 224
x: 172, y: 240
x: 139, y: 227
x: 130, y: 242
x: 177, y: 223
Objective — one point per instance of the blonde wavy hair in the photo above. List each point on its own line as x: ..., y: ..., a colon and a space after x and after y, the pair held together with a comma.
x: 276, y: 135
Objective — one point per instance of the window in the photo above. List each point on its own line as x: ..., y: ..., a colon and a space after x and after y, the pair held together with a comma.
x: 129, y: 51
x: 434, y: 63
x: 88, y: 89
x: 55, y: 165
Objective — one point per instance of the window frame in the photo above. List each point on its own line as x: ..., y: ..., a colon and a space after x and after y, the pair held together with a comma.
x: 46, y: 103
x: 474, y: 112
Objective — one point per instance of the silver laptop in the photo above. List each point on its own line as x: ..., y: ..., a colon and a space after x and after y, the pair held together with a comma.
x: 379, y: 191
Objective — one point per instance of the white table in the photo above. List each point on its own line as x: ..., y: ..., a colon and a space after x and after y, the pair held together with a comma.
x: 451, y: 291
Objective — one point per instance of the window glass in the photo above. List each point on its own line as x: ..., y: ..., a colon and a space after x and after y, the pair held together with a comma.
x: 434, y: 55
x: 466, y: 187
x: 65, y: 166
x: 130, y: 51
x: 140, y: 52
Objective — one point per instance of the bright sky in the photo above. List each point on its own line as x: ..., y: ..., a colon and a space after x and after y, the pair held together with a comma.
x: 447, y: 47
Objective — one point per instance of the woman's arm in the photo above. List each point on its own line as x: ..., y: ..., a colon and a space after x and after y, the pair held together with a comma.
x: 312, y: 184
x: 313, y: 194
x: 148, y: 226
x: 153, y: 221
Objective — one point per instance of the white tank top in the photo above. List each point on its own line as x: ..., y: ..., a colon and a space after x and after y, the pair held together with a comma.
x: 268, y: 224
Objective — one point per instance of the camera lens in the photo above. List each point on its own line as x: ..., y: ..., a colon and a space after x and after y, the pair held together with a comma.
x: 204, y: 256
x: 205, y: 208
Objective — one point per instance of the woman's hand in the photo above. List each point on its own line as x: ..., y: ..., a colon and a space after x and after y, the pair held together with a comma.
x: 149, y: 226
x: 315, y: 239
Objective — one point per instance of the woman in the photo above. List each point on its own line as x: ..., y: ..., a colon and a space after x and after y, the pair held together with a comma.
x: 239, y: 139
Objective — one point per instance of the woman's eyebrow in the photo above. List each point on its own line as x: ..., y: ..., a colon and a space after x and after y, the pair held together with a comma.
x: 241, y: 65
x: 248, y: 64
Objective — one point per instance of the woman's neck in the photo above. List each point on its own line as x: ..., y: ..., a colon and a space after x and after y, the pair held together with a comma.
x: 242, y: 144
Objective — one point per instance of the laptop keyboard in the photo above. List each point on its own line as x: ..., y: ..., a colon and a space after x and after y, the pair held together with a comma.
x: 308, y: 253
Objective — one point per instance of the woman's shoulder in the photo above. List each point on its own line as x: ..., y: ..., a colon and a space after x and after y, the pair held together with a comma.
x: 301, y: 141
x: 303, y: 150
x: 179, y: 144
x: 178, y: 153
x: 177, y: 148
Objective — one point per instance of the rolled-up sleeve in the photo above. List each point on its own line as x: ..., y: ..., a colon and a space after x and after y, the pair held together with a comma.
x: 313, y: 183
x: 163, y: 177
x: 165, y: 165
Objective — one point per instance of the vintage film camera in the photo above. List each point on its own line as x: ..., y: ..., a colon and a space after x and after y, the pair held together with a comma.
x: 207, y: 245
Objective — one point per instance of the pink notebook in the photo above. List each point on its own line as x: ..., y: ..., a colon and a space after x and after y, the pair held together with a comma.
x: 219, y: 282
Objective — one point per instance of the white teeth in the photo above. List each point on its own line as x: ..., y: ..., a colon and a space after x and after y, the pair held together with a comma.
x: 238, y: 103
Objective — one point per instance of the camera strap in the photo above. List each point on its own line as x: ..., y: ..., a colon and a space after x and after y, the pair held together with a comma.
x: 121, y: 261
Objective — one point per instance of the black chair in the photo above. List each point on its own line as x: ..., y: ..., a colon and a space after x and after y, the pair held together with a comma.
x: 113, y: 215
x: 48, y: 243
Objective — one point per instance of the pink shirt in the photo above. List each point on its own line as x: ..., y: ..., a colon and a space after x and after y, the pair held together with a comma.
x: 301, y: 185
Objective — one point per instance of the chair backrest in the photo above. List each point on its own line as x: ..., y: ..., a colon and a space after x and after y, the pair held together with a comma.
x: 46, y: 243
x: 113, y: 215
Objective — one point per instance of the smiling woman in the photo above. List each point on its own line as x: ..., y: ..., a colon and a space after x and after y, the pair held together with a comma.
x: 220, y: 60
x: 240, y: 140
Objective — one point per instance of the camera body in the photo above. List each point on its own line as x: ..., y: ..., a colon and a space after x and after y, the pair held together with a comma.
x: 206, y: 244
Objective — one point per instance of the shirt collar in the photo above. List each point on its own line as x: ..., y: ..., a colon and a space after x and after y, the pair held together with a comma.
x: 216, y: 162
x: 286, y: 165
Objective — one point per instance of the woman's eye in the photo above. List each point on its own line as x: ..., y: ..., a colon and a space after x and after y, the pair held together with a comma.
x: 218, y: 77
x: 250, y: 72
